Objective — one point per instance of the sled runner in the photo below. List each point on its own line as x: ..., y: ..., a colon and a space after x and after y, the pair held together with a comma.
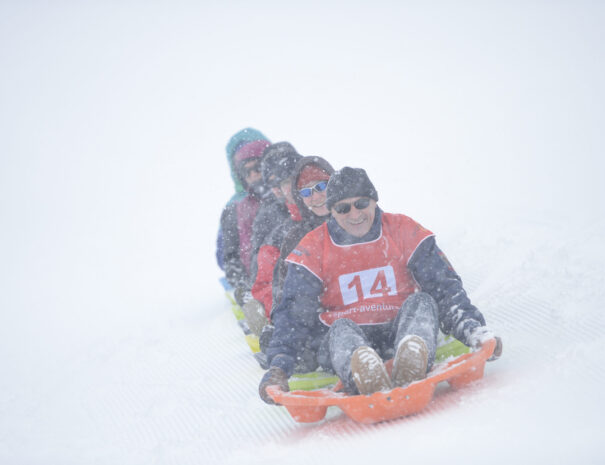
x: 311, y: 406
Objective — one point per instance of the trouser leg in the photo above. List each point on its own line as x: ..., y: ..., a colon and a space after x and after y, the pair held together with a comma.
x: 343, y: 338
x: 419, y: 315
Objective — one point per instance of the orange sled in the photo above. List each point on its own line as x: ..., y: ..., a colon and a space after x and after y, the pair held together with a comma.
x: 311, y: 406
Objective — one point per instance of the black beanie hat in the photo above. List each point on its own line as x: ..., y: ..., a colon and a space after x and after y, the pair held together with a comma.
x: 278, y: 160
x: 349, y: 182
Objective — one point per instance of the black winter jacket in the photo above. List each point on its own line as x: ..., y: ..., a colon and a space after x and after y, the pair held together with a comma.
x: 271, y: 214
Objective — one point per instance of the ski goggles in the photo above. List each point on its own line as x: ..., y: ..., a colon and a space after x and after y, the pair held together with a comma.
x: 344, y: 208
x: 319, y: 187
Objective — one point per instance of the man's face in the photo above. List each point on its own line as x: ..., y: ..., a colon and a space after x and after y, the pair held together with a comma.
x: 286, y: 189
x: 251, y: 171
x: 279, y: 195
x: 356, y: 221
x: 276, y: 189
x: 316, y: 202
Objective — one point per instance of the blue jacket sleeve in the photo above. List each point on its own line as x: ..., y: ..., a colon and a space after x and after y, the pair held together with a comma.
x: 436, y: 276
x: 295, y: 318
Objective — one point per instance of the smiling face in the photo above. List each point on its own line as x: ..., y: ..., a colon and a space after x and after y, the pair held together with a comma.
x: 356, y: 222
x: 317, y: 201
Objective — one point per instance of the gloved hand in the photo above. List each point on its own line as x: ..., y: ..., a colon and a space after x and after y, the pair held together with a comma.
x: 481, y: 334
x: 265, y: 337
x: 255, y: 315
x: 275, y: 376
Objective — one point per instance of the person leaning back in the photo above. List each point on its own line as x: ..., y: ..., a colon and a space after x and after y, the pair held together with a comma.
x: 372, y: 285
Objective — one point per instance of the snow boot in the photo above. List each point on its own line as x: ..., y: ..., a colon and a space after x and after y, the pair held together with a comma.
x: 255, y: 316
x: 410, y: 362
x: 369, y: 372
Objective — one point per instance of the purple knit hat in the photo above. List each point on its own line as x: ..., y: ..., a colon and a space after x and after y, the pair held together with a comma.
x: 250, y: 150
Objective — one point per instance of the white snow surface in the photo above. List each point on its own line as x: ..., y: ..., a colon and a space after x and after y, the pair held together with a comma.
x: 481, y: 120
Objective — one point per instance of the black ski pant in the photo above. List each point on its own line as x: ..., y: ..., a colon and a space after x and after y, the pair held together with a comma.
x: 417, y: 316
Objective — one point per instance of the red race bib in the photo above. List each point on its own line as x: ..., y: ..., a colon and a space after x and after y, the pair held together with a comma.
x: 366, y: 282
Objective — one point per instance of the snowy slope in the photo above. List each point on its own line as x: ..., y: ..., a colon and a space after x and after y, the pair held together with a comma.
x: 481, y: 121
x: 183, y: 390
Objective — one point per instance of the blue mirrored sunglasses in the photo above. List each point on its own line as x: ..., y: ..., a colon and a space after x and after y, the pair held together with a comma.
x: 319, y: 187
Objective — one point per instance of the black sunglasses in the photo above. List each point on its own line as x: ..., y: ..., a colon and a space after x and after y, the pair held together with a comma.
x: 344, y: 208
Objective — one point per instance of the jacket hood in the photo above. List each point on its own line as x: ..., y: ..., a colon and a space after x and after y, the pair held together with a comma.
x: 306, y: 214
x: 237, y: 141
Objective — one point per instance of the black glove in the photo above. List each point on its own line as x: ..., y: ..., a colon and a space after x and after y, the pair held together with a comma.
x: 274, y: 377
x: 265, y: 337
x: 481, y: 334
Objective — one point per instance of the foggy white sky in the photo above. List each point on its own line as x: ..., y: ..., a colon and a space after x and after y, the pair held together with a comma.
x: 114, y: 118
x: 513, y: 91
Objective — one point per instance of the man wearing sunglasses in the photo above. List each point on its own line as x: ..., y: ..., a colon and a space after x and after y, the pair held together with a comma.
x: 277, y: 166
x: 277, y: 163
x: 373, y: 286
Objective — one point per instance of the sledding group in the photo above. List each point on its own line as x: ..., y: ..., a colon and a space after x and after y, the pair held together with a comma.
x: 328, y: 280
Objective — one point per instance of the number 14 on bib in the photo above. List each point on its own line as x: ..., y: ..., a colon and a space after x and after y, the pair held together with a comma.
x: 367, y: 284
